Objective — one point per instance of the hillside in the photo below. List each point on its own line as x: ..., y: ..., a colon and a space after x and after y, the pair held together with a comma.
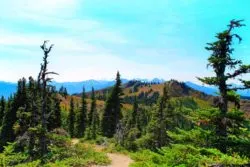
x: 147, y: 94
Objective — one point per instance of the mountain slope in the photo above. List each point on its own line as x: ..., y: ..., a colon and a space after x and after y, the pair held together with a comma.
x: 148, y: 93
x: 207, y: 90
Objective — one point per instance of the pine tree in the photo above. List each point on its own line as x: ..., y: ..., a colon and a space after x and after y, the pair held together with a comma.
x: 135, y: 113
x: 55, y: 109
x: 7, y: 132
x: 95, y: 116
x: 71, y: 118
x: 90, y: 115
x: 35, y: 105
x: 23, y: 107
x: 158, y: 124
x: 129, y: 131
x: 17, y: 112
x: 65, y: 92
x: 222, y: 63
x: 112, y: 112
x: 82, y: 116
x: 2, y: 109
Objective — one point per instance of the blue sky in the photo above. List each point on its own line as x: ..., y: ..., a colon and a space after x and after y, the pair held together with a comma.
x: 95, y: 38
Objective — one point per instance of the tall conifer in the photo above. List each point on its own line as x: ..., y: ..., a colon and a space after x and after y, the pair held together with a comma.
x: 82, y: 116
x: 225, y: 68
x: 112, y: 112
x: 71, y: 118
x: 2, y: 109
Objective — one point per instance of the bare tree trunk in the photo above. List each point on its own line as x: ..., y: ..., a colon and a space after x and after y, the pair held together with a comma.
x: 222, y: 120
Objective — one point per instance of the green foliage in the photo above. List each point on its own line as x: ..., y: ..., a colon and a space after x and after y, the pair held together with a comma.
x: 187, y: 156
x: 2, y: 109
x: 30, y: 164
x: 81, y: 121
x: 62, y: 153
x: 11, y: 158
x: 92, y: 108
x: 93, y: 118
x: 132, y: 136
x: 112, y: 112
x: 197, y: 136
x: 63, y: 91
x: 55, y: 117
x: 157, y: 127
x: 71, y: 119
x: 221, y: 61
x: 145, y: 142
x: 7, y: 132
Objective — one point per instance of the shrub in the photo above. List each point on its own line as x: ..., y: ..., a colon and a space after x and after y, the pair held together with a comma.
x: 186, y: 155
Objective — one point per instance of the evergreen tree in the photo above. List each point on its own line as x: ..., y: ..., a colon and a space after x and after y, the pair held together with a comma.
x: 65, y: 92
x: 129, y: 131
x: 23, y: 107
x: 55, y: 116
x: 93, y: 102
x: 143, y: 119
x: 158, y: 124
x: 35, y: 105
x: 135, y: 113
x: 7, y: 132
x: 18, y: 112
x: 82, y: 116
x: 50, y: 111
x: 2, y: 109
x: 95, y: 116
x: 71, y: 118
x: 112, y: 112
x: 61, y: 89
x: 222, y: 63
x: 57, y: 111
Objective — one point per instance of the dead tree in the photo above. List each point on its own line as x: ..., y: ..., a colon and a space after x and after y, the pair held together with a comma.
x: 43, y: 80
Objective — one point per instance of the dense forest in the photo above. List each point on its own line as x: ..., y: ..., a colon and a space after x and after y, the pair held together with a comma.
x: 155, y: 124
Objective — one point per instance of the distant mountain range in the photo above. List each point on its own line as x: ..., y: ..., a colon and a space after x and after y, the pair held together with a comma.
x: 245, y: 94
x: 8, y: 88
x: 201, y: 88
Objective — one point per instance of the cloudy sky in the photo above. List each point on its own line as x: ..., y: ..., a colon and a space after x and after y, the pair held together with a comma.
x: 95, y: 38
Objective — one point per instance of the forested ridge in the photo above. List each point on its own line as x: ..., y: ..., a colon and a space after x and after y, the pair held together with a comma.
x: 156, y: 124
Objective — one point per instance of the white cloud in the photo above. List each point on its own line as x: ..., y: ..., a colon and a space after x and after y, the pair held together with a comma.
x: 63, y: 43
x: 44, y: 7
x: 77, y: 60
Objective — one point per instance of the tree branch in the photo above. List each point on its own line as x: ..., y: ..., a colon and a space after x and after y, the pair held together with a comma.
x: 242, y: 70
x: 209, y: 80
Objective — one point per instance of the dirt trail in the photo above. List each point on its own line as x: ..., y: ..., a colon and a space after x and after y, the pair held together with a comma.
x: 117, y: 160
x: 75, y: 141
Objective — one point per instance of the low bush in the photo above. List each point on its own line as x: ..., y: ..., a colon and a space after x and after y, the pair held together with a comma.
x: 186, y: 156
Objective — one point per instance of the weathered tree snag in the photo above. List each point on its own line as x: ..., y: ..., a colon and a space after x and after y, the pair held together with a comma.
x: 43, y: 80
